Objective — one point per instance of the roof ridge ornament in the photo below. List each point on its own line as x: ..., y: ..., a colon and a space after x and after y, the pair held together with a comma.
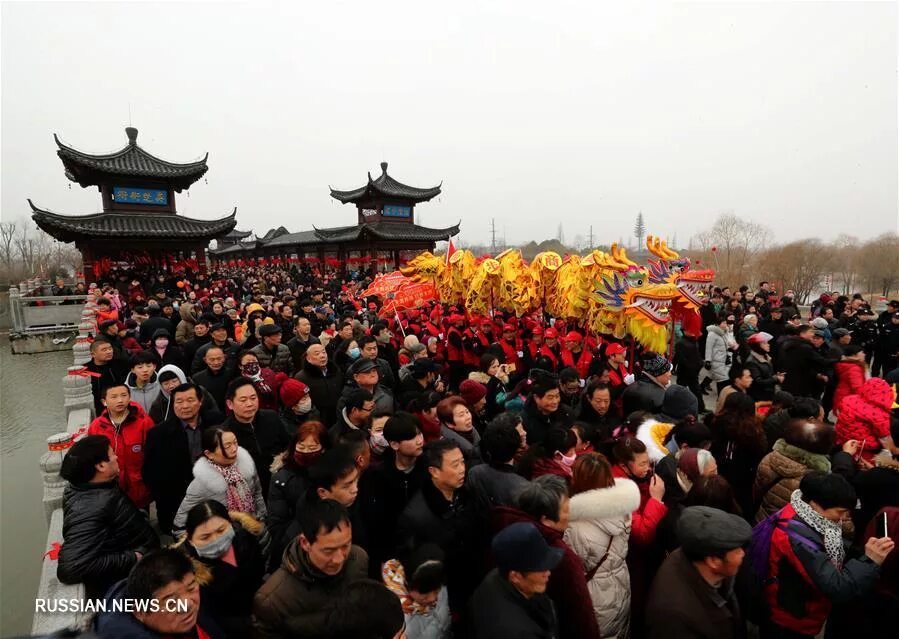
x: 383, y: 168
x: 131, y: 132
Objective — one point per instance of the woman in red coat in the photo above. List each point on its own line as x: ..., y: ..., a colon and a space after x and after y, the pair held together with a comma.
x: 644, y: 556
x: 851, y: 374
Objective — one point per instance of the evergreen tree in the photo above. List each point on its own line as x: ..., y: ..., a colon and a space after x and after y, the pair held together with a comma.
x: 639, y: 230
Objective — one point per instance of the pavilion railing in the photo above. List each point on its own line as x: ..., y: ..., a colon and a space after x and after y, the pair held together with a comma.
x: 32, y: 310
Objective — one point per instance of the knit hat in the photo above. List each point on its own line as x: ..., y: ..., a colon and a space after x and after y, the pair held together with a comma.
x: 292, y: 391
x: 410, y: 341
x: 706, y: 531
x: 656, y: 366
x: 759, y: 338
x: 819, y: 322
x: 679, y: 402
x: 472, y: 392
x: 693, y: 461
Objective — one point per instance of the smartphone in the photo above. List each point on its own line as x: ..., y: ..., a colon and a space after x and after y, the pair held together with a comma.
x: 881, y: 526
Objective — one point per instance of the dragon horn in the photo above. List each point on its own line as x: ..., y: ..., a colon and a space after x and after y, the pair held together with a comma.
x: 652, y: 244
x: 622, y: 257
x: 672, y: 255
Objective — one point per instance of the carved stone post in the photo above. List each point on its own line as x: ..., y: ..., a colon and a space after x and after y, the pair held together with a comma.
x: 76, y: 392
x: 51, y: 462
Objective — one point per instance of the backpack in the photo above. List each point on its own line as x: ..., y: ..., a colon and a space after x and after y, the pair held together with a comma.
x: 753, y: 578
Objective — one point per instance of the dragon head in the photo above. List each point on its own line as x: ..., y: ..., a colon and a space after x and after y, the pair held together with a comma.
x: 651, y: 303
x: 690, y: 284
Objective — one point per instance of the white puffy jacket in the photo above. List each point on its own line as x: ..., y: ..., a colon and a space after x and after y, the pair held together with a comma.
x: 598, y: 516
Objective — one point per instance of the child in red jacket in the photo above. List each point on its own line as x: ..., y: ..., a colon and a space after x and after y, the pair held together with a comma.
x: 851, y: 374
x: 865, y: 417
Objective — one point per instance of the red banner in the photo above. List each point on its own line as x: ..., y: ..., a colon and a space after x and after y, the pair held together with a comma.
x: 412, y: 295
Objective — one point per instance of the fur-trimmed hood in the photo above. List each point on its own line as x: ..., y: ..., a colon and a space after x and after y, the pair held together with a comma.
x: 478, y: 376
x: 809, y: 461
x: 205, y: 473
x: 618, y: 500
x: 653, y: 433
x: 201, y: 569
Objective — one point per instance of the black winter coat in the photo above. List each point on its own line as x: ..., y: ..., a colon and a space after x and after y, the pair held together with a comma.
x: 643, y: 394
x: 498, y: 611
x: 388, y: 492
x: 215, y: 384
x: 536, y: 424
x: 226, y: 591
x: 763, y: 382
x: 287, y: 487
x: 101, y: 531
x: 264, y: 439
x: 325, y: 389
x: 430, y: 518
x: 168, y: 464
x: 801, y: 363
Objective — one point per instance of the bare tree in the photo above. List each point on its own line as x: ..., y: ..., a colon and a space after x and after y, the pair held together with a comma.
x: 7, y: 245
x: 799, y: 265
x: 879, y: 264
x: 845, y: 253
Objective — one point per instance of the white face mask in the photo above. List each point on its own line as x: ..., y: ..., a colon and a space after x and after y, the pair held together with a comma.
x: 378, y: 443
x: 304, y: 405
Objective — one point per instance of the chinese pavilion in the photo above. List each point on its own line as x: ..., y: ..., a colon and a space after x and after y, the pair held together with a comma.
x: 139, y: 222
x: 385, y: 232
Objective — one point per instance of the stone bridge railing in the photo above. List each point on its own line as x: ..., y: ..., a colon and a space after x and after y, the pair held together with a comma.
x: 41, y: 322
x: 79, y: 410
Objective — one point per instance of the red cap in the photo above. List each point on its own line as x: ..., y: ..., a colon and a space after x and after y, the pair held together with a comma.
x: 486, y: 322
x: 614, y: 348
x: 550, y: 333
x: 508, y: 328
x: 455, y: 317
x: 372, y: 306
x: 538, y: 330
x: 574, y: 336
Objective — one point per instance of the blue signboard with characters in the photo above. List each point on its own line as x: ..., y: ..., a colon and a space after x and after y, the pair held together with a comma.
x: 393, y: 210
x: 130, y: 195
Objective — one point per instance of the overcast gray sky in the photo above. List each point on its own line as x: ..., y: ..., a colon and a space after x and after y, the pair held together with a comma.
x: 534, y: 113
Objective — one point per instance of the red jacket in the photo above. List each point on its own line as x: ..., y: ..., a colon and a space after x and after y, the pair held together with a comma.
x: 582, y: 363
x: 128, y: 443
x: 645, y: 520
x: 866, y: 416
x: 454, y: 352
x: 511, y: 352
x: 850, y: 378
x: 800, y: 553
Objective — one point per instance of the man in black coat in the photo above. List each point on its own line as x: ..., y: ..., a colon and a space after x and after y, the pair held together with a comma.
x: 802, y: 365
x: 171, y: 449
x: 107, y: 371
x: 512, y: 599
x: 104, y: 534
x: 390, y: 485
x: 216, y: 376
x: 325, y: 382
x: 260, y: 432
x: 442, y: 513
x: 153, y: 323
x: 301, y: 340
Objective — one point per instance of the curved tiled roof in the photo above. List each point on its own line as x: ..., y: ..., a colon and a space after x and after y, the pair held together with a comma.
x: 68, y: 228
x: 131, y: 161
x: 387, y: 187
x: 387, y: 231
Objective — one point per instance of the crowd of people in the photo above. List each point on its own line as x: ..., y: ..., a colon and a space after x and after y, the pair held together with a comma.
x: 273, y: 448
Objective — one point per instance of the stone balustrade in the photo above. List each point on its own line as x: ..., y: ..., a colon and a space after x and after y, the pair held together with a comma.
x: 79, y: 409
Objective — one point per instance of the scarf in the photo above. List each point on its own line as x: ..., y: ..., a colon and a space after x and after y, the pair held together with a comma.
x: 395, y: 579
x: 832, y: 533
x: 239, y: 494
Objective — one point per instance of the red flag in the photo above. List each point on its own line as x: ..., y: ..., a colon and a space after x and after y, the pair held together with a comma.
x: 450, y: 249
